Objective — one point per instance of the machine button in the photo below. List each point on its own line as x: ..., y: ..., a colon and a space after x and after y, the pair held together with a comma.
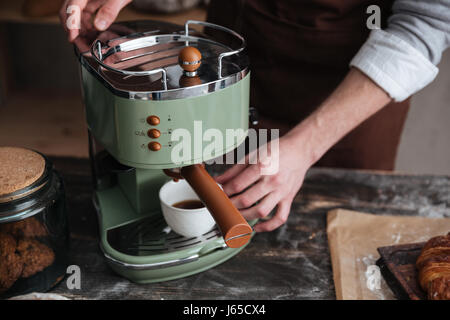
x: 154, y: 133
x: 153, y: 120
x: 154, y: 146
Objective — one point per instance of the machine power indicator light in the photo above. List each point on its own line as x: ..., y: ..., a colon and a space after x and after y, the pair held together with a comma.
x: 154, y: 146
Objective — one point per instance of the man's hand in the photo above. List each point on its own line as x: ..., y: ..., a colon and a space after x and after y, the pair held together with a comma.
x: 274, y: 190
x: 94, y: 14
x: 355, y: 99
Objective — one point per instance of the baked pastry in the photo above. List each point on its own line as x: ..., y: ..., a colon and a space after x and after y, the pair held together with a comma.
x: 7, y: 244
x: 36, y: 256
x: 434, y: 268
x: 21, y: 258
x: 27, y: 228
x: 11, y: 264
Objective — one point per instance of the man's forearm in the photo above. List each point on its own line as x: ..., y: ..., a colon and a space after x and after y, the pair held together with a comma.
x: 354, y: 100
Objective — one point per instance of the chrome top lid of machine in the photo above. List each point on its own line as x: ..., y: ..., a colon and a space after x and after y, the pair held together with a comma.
x: 140, y: 60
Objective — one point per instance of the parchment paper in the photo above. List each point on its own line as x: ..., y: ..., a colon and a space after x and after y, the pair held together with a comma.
x: 354, y: 237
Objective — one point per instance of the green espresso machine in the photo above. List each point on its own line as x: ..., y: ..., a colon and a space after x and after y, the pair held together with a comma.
x: 138, y: 89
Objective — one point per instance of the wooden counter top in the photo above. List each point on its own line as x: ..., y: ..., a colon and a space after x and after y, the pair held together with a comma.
x: 292, y: 262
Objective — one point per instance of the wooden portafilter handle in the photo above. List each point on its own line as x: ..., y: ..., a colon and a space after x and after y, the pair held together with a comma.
x: 235, y: 229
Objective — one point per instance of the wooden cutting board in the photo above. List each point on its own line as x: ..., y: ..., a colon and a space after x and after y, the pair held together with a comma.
x: 397, y: 265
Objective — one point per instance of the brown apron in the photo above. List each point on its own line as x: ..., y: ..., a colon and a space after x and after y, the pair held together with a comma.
x: 299, y: 52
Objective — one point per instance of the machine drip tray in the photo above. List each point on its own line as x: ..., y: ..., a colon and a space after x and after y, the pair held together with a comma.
x: 152, y: 236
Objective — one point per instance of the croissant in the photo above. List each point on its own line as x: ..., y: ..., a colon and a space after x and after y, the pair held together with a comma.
x: 434, y: 268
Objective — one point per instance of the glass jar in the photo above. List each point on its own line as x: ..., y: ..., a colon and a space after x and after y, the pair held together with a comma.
x: 34, y: 238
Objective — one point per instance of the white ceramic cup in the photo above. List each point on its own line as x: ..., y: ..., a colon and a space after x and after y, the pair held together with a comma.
x: 186, y: 222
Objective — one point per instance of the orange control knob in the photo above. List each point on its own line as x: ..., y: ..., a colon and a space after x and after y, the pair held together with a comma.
x: 153, y: 120
x: 154, y: 133
x: 154, y: 146
x: 190, y: 59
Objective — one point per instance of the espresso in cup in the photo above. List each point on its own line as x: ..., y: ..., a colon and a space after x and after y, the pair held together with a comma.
x: 189, y: 204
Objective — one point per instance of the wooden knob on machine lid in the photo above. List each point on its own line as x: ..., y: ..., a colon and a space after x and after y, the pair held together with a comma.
x: 189, y: 81
x: 190, y: 60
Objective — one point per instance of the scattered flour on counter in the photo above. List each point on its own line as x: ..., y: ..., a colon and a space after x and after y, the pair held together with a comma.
x: 439, y: 211
x: 421, y: 204
x: 369, y: 260
x: 120, y: 287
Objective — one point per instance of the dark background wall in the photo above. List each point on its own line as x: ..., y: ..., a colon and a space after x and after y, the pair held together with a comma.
x: 41, y: 57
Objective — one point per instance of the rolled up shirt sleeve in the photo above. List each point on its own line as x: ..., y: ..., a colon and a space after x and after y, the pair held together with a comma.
x: 402, y: 58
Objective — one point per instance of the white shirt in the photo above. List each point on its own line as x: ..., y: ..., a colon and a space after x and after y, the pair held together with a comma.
x: 402, y: 58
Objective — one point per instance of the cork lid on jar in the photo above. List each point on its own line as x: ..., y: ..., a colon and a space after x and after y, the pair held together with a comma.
x: 19, y: 168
